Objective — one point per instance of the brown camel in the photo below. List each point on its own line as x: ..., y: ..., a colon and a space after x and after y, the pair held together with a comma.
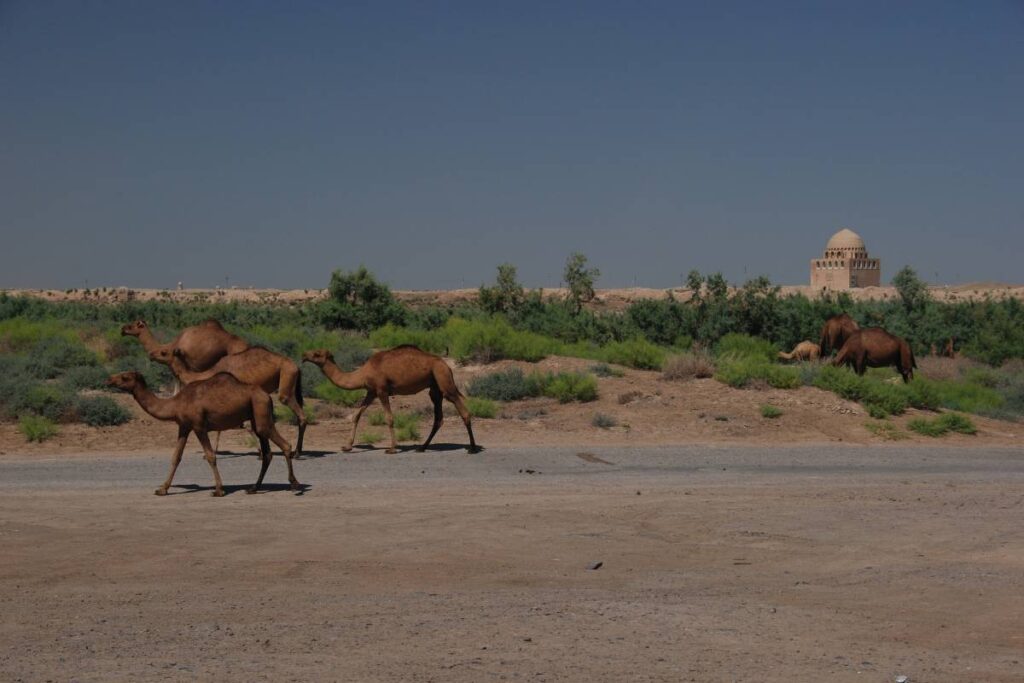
x: 220, y: 402
x: 874, y: 347
x: 256, y: 366
x: 201, y: 345
x: 401, y: 371
x: 835, y: 332
x: 805, y: 350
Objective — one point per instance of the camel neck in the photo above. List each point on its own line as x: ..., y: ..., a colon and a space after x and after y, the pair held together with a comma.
x: 148, y: 340
x: 345, y: 380
x: 187, y: 376
x: 160, y: 408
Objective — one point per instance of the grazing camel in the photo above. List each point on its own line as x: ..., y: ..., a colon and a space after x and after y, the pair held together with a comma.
x: 835, y: 332
x: 874, y: 347
x: 220, y: 402
x: 256, y: 366
x: 401, y: 371
x: 201, y: 345
x: 805, y: 350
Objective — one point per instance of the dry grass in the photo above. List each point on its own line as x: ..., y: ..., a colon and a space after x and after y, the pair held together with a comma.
x: 685, y: 366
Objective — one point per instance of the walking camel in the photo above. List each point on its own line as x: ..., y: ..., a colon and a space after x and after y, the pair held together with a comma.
x: 256, y: 366
x: 401, y: 371
x: 201, y: 345
x: 835, y: 332
x: 218, y: 403
x: 874, y: 347
x: 805, y: 350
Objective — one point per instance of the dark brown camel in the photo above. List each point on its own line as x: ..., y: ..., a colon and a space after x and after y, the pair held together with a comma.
x: 874, y: 347
x: 201, y: 345
x: 401, y: 371
x: 256, y: 366
x: 218, y: 403
x: 835, y: 332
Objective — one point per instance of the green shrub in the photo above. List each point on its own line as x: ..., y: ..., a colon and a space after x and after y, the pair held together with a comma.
x: 332, y: 393
x: 771, y: 412
x: 603, y: 421
x: 943, y: 424
x: 283, y: 413
x: 885, y: 399
x: 101, y: 411
x: 51, y: 357
x: 390, y: 336
x: 635, y: 353
x: 885, y: 430
x: 572, y: 386
x: 37, y: 428
x: 605, y: 370
x: 406, y: 424
x: 481, y: 407
x: 507, y: 385
x: 157, y: 376
x: 371, y: 437
x: 52, y: 401
x: 86, y: 377
x: 739, y: 371
x: 745, y: 346
x: 18, y: 335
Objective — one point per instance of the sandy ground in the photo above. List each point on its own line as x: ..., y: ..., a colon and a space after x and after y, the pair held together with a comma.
x: 719, y: 564
x: 606, y: 299
x: 647, y: 409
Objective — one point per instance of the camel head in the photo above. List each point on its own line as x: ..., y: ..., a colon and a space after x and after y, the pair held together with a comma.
x: 133, y: 329
x: 318, y: 357
x: 126, y: 381
x: 162, y: 356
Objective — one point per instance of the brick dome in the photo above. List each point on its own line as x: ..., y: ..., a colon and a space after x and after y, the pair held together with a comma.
x: 846, y: 239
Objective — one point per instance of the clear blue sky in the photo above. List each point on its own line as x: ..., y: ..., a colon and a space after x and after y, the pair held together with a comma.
x: 143, y: 143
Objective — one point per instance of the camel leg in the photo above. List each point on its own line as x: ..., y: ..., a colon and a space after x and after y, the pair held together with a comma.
x: 211, y: 458
x: 435, y: 397
x: 175, y: 460
x: 460, y: 406
x: 265, y: 458
x: 300, y: 413
x: 860, y: 364
x: 370, y: 396
x: 286, y: 450
x: 385, y: 401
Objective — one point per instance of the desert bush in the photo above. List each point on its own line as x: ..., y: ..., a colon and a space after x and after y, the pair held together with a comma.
x: 156, y: 375
x: 100, y: 411
x: 85, y: 377
x: 507, y: 385
x: 283, y: 413
x: 744, y: 346
x: 603, y: 421
x: 406, y: 424
x: 371, y: 437
x: 572, y: 386
x: 635, y: 353
x: 885, y: 430
x: 52, y: 357
x: 771, y: 412
x: 481, y: 407
x: 326, y: 390
x: 357, y: 301
x: 52, y: 401
x: 19, y: 334
x: 605, y: 370
x: 740, y: 371
x: 943, y: 424
x: 691, y: 365
x: 37, y: 428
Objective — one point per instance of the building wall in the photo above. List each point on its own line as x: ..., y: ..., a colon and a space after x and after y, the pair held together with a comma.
x: 835, y: 273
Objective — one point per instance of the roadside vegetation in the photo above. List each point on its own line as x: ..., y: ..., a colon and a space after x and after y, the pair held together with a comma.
x: 55, y: 356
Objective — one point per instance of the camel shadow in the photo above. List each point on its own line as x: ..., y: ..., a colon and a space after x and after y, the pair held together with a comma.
x: 228, y: 455
x: 434, y: 447
x: 230, y: 489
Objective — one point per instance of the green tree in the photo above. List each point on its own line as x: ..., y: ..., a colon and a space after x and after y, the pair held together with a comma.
x: 506, y: 296
x: 357, y: 301
x: 579, y: 280
x: 912, y: 290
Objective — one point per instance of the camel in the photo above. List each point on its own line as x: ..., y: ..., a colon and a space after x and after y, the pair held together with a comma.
x: 220, y: 402
x: 874, y: 347
x: 401, y: 371
x: 835, y: 332
x: 201, y: 345
x: 805, y: 350
x: 256, y: 366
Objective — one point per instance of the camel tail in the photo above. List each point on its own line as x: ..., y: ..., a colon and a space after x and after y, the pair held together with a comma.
x: 298, y: 388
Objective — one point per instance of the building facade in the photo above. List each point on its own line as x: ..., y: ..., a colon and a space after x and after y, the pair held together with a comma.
x: 845, y: 264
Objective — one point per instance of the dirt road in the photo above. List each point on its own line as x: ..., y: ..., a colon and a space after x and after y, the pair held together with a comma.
x: 719, y: 564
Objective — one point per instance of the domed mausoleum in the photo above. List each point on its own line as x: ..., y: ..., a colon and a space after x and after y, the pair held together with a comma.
x: 845, y: 264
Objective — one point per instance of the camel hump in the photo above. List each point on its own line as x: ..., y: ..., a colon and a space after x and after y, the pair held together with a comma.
x: 212, y: 322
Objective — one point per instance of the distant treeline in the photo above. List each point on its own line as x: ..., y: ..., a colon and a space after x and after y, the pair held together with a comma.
x: 988, y: 330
